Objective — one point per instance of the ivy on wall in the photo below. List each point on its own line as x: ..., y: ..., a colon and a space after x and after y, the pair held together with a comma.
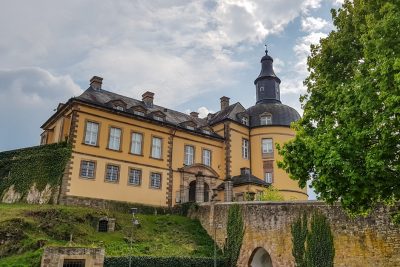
x: 235, y: 232
x: 40, y: 165
x: 312, y: 247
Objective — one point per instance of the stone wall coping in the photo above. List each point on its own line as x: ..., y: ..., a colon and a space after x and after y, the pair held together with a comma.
x: 274, y: 203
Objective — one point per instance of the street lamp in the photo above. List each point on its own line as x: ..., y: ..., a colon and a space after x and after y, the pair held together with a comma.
x: 135, y: 222
x: 219, y: 226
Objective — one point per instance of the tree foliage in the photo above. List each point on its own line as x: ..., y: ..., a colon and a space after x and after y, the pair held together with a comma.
x: 348, y: 141
x: 235, y: 232
x: 312, y: 247
x: 299, y: 234
x: 270, y: 194
x: 320, y: 250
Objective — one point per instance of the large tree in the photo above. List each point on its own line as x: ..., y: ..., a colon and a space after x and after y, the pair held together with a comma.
x: 348, y: 141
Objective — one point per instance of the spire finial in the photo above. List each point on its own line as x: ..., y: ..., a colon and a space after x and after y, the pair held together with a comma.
x: 266, y: 49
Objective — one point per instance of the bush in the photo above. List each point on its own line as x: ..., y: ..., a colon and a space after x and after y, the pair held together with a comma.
x: 146, y: 261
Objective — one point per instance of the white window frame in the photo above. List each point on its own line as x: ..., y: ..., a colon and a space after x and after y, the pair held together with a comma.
x: 135, y: 176
x: 139, y: 113
x: 245, y: 148
x: 158, y: 118
x: 155, y: 180
x: 189, y: 155
x: 245, y: 121
x: 266, y: 120
x: 92, y: 133
x: 112, y: 173
x: 121, y: 108
x: 136, y: 143
x: 268, y: 177
x: 114, y: 141
x: 87, y: 169
x: 156, y: 147
x: 190, y: 127
x: 207, y: 157
x: 267, y: 145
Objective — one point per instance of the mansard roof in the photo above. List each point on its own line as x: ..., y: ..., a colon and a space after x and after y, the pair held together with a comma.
x: 101, y: 97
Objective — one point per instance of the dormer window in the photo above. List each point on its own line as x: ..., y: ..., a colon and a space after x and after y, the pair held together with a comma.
x: 244, y: 171
x: 245, y: 121
x: 266, y: 119
x: 158, y: 118
x: 190, y: 127
x: 206, y: 132
x: 119, y: 108
x: 137, y: 112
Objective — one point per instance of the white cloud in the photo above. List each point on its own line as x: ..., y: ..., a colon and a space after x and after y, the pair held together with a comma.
x: 203, y: 112
x: 28, y: 97
x: 312, y: 24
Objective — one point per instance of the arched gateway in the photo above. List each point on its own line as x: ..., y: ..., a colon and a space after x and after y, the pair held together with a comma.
x: 197, y: 182
x: 260, y: 258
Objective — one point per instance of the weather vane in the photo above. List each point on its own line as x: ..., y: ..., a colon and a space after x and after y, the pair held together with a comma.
x: 266, y: 49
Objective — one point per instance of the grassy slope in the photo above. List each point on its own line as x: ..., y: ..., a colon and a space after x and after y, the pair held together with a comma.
x: 25, y: 229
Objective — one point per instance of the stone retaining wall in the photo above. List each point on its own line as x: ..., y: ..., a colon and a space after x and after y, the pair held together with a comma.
x: 370, y: 241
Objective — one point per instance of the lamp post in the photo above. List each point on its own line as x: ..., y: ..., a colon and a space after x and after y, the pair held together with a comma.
x: 213, y: 201
x: 135, y: 222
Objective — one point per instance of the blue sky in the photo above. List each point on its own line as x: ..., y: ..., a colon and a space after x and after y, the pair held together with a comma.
x: 190, y: 53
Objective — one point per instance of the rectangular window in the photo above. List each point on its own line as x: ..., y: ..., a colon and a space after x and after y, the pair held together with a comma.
x: 267, y: 147
x: 155, y: 180
x: 156, y: 147
x: 115, y: 139
x: 207, y: 157
x: 140, y: 113
x: 136, y: 141
x: 135, y: 176
x: 268, y: 177
x: 87, y: 169
x: 266, y: 120
x: 245, y: 148
x: 91, y: 134
x: 158, y: 118
x: 245, y: 121
x: 189, y: 155
x: 112, y: 173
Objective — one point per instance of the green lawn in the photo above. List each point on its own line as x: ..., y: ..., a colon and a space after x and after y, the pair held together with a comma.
x: 25, y: 229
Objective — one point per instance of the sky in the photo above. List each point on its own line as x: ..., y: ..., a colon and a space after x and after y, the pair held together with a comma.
x: 189, y: 53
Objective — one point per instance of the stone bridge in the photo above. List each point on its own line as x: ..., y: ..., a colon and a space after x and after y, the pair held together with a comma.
x: 370, y: 241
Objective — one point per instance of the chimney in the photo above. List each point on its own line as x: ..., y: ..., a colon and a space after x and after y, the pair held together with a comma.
x: 194, y: 114
x: 96, y: 82
x: 224, y: 102
x: 148, y: 98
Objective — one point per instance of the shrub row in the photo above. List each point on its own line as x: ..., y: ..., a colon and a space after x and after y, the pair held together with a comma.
x: 149, y: 261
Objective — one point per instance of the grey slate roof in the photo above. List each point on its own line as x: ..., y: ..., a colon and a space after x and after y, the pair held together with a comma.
x: 281, y: 114
x: 245, y: 179
x: 228, y: 113
x: 103, y: 97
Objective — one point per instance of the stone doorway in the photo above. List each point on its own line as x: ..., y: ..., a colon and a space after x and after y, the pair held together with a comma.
x: 192, y: 191
x: 260, y: 258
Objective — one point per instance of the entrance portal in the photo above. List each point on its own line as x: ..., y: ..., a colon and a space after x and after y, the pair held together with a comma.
x: 192, y: 192
x: 260, y: 258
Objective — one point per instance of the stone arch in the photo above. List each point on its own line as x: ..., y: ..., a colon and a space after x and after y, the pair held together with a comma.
x: 260, y: 258
x: 200, y: 179
x: 204, y: 169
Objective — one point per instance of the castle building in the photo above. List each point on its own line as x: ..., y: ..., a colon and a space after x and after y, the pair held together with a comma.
x: 131, y: 150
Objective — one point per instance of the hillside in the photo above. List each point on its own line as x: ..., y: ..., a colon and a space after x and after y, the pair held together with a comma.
x: 26, y: 229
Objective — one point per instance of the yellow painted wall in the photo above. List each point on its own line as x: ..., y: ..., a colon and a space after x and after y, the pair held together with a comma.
x: 123, y: 158
x: 282, y: 181
x: 121, y: 191
x: 238, y: 132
